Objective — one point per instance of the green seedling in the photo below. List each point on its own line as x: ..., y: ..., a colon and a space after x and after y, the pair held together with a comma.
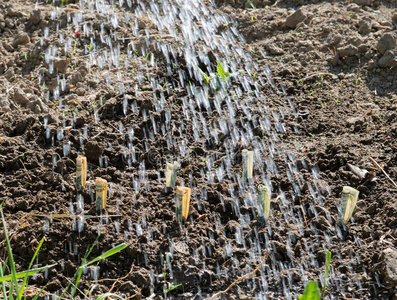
x: 221, y: 72
x: 26, y: 55
x: 312, y: 292
x: 20, y: 291
x: 327, y: 264
x: 83, y: 265
x: 206, y: 78
x: 168, y: 287
x: 250, y: 3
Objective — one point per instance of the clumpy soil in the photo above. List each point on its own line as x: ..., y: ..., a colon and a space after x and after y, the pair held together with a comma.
x: 329, y: 86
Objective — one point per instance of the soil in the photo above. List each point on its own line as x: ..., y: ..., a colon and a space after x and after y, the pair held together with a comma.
x: 328, y: 101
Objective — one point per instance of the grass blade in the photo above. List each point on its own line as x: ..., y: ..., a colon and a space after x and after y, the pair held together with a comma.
x: 24, y: 273
x: 107, y: 254
x: 87, y: 253
x: 14, y: 281
x: 327, y: 263
x: 3, y: 286
x: 25, y: 281
x: 79, y: 274
x: 39, y: 293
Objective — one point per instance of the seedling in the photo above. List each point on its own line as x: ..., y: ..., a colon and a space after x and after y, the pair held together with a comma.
x: 81, y: 170
x: 168, y: 286
x: 250, y: 3
x: 312, y: 292
x: 170, y: 175
x: 263, y: 203
x: 221, y: 72
x: 20, y: 291
x: 206, y: 78
x: 101, y: 187
x: 85, y: 264
x: 347, y: 204
x: 327, y: 263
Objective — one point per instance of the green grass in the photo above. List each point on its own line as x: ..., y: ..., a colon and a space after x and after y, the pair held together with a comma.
x: 18, y: 291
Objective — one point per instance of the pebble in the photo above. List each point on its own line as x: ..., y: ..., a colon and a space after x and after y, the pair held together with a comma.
x: 20, y: 97
x: 386, y: 42
x: 388, y: 259
x: 9, y: 74
x: 295, y: 18
x: 363, y: 2
x: 365, y: 26
x: 388, y: 60
x: 93, y: 151
x: 348, y: 50
x: 354, y: 120
x: 274, y: 49
x: 4, y: 103
x: 61, y: 64
x: 21, y: 39
x: 35, y: 16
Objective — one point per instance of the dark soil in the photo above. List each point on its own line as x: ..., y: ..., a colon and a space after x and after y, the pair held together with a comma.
x: 332, y: 102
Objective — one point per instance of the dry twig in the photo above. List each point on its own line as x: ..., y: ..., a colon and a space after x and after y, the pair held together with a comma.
x: 246, y: 276
x: 384, y: 172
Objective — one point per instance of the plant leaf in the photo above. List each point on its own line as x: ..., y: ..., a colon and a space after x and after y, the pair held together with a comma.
x: 25, y: 273
x: 311, y: 292
x: 2, y: 270
x: 25, y: 281
x: 13, y: 276
x: 108, y: 253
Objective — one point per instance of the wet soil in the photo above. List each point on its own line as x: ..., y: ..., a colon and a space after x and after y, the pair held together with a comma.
x: 334, y: 62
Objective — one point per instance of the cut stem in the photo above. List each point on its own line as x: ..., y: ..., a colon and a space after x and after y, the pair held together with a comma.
x: 347, y: 204
x: 101, y: 188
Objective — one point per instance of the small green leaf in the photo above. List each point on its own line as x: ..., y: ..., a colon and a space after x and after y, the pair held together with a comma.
x: 20, y: 275
x: 311, y: 292
x: 106, y: 254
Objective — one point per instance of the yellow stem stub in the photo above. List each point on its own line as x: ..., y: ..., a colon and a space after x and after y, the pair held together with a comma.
x: 101, y: 189
x: 81, y: 170
x: 348, y: 203
x: 182, y: 203
x: 170, y: 175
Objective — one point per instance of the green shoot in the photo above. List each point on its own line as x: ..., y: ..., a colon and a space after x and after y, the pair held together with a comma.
x: 13, y: 278
x: 250, y: 3
x: 327, y: 263
x: 220, y: 71
x: 168, y: 287
x: 79, y: 272
x: 206, y: 78
x: 26, y: 56
x: 312, y: 292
